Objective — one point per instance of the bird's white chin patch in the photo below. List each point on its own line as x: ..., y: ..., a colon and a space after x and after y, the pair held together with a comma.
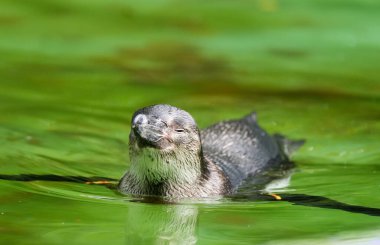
x: 158, y: 165
x: 165, y: 150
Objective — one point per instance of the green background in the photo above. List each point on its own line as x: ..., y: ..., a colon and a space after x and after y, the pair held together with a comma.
x: 73, y: 72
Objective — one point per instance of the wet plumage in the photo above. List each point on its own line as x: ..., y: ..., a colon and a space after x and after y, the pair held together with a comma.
x: 171, y: 157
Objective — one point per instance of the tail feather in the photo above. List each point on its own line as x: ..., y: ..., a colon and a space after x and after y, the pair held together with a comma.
x: 289, y: 146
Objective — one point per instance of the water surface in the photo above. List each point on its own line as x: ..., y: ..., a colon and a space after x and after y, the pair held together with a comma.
x: 72, y: 73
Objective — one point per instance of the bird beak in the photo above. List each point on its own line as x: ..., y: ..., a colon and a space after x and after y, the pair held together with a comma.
x: 148, y: 131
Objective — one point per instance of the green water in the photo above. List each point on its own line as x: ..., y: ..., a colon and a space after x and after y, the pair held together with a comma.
x: 73, y: 72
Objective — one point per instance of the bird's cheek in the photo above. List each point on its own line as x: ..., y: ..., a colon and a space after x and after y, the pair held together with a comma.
x: 183, y: 140
x: 172, y: 139
x: 167, y: 136
x: 132, y: 138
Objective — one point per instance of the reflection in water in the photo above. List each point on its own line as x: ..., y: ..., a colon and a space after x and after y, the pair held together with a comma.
x: 345, y: 238
x: 251, y: 191
x: 54, y: 177
x: 161, y: 224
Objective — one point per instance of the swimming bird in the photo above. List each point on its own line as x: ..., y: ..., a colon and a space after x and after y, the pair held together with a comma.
x: 171, y: 157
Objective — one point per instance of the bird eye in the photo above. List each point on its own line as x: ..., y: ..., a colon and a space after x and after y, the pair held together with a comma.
x: 180, y: 130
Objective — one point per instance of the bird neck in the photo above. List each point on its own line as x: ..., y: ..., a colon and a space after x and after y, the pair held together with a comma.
x: 154, y: 168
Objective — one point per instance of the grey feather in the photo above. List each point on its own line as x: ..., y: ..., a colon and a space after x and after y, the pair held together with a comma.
x: 242, y: 148
x: 216, y: 161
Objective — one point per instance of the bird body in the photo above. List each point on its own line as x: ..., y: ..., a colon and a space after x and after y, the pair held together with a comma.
x: 171, y: 157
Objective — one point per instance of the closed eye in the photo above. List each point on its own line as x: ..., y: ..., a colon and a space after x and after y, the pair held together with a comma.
x: 180, y: 130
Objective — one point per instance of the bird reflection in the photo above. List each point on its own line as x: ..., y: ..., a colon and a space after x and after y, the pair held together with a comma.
x: 159, y: 223
x: 252, y: 191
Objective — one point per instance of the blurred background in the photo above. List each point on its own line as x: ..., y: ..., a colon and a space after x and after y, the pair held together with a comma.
x: 73, y: 72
